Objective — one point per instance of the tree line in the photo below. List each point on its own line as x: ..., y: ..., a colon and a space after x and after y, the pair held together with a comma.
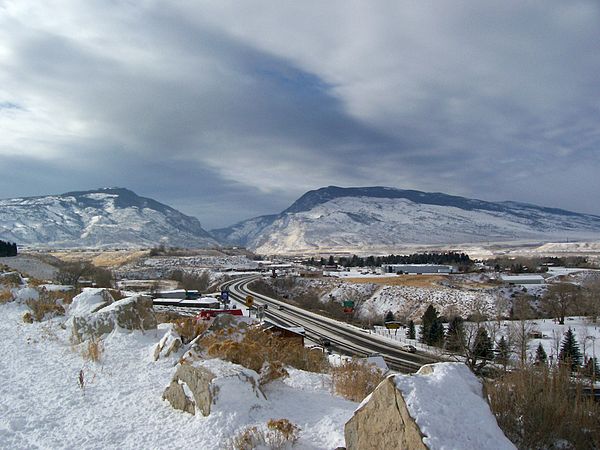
x: 8, y: 248
x: 460, y: 259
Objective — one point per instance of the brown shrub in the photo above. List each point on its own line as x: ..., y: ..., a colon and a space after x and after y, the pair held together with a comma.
x: 46, y: 305
x: 6, y: 296
x: 189, y: 328
x: 258, y: 347
x: 94, y: 350
x: 271, y: 371
x: 537, y: 407
x: 355, y: 379
x: 277, y: 435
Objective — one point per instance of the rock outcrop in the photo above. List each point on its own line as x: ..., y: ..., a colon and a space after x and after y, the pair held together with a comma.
x: 441, y: 406
x: 132, y: 313
x: 169, y: 344
x: 207, y: 384
x: 383, y: 421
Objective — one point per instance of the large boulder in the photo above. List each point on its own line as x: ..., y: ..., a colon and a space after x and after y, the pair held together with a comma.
x: 132, y: 313
x: 209, y: 384
x: 441, y: 406
x: 89, y: 301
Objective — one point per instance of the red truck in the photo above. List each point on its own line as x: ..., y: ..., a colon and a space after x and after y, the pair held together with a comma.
x: 207, y: 314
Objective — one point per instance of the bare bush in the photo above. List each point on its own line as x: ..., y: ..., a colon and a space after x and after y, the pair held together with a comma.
x: 189, y: 328
x: 6, y: 296
x: 540, y: 407
x: 94, y: 350
x: 278, y: 434
x: 47, y: 305
x: 355, y: 379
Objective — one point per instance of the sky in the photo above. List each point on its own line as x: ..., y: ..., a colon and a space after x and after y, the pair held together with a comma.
x: 228, y: 110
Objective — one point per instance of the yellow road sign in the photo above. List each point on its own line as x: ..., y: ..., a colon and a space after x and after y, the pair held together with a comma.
x: 249, y: 300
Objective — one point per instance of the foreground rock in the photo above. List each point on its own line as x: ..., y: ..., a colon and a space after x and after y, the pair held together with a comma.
x: 441, y: 406
x: 213, y: 384
x: 132, y: 313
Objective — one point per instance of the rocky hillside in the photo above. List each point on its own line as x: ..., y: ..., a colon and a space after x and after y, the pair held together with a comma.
x: 334, y: 218
x: 102, y: 218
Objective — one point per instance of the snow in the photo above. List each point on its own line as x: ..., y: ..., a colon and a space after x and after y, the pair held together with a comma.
x: 121, y: 406
x: 450, y: 410
x: 89, y: 301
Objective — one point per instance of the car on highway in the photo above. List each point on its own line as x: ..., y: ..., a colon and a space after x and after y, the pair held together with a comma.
x: 409, y: 348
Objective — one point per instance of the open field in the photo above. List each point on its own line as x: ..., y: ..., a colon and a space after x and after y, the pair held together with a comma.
x: 400, y: 280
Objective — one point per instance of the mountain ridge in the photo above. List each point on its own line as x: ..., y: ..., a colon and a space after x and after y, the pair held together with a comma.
x: 103, y: 217
x: 336, y: 217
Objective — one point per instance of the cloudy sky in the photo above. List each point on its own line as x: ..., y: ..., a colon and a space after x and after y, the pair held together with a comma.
x: 227, y: 110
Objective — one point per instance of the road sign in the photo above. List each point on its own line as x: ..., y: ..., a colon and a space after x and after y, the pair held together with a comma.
x: 260, y: 312
x: 348, y: 310
x: 224, y: 295
x: 392, y: 325
x: 249, y: 300
x: 348, y: 303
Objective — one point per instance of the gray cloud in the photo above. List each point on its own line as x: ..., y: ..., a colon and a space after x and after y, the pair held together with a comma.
x: 229, y: 110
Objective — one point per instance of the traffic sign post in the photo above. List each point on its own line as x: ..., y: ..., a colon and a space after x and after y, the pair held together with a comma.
x: 225, y: 296
x: 249, y: 300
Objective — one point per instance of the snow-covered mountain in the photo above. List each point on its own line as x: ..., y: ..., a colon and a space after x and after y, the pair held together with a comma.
x: 335, y: 218
x: 111, y: 217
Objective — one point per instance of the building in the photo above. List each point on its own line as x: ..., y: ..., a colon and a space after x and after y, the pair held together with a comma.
x: 416, y: 268
x: 523, y: 279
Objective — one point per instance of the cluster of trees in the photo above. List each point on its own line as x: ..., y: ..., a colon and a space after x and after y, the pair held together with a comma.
x: 474, y: 342
x: 71, y: 273
x: 8, y: 249
x: 192, y: 281
x: 460, y: 259
x: 536, y: 264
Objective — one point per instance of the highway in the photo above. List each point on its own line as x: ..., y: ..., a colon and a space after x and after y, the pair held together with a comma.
x: 346, y: 338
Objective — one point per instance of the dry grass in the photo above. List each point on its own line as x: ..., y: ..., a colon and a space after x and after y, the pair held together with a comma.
x: 94, y: 350
x: 47, y: 305
x: 279, y: 434
x: 258, y: 347
x: 6, y: 296
x: 189, y: 328
x: 354, y: 379
x: 538, y: 407
x: 401, y: 280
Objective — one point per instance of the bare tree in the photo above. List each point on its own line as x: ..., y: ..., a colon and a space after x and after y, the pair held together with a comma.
x: 561, y: 299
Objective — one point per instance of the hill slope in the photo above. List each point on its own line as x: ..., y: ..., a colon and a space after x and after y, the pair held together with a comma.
x: 335, y: 218
x: 112, y: 217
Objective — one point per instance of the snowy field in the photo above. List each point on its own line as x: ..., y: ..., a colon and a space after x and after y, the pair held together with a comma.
x: 43, y: 406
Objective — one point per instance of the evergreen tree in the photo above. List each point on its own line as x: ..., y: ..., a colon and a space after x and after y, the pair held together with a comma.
x: 483, y: 347
x: 540, y: 355
x: 455, y: 336
x: 389, y: 317
x: 569, y: 350
x: 432, y: 328
x: 502, y: 352
x: 411, y: 332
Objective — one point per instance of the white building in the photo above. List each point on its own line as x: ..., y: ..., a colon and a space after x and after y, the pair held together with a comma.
x: 416, y: 268
x: 523, y: 279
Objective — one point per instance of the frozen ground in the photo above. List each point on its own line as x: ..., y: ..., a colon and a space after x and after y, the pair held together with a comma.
x: 43, y: 406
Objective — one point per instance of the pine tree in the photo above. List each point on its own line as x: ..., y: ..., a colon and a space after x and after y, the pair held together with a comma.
x: 455, y: 336
x: 483, y: 347
x: 411, y: 332
x: 432, y: 328
x: 389, y: 317
x: 540, y: 355
x: 502, y: 352
x: 569, y: 350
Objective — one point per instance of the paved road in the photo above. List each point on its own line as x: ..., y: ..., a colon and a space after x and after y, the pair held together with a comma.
x: 344, y: 337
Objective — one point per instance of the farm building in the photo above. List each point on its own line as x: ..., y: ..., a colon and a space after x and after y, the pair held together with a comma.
x: 416, y: 268
x: 523, y: 279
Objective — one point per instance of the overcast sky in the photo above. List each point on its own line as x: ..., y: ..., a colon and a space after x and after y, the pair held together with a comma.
x: 227, y: 110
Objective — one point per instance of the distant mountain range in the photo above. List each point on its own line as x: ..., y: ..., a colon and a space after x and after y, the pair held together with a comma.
x: 101, y: 218
x: 335, y: 218
x: 327, y: 219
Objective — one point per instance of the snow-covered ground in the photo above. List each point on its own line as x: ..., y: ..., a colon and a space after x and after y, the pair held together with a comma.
x: 43, y: 406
